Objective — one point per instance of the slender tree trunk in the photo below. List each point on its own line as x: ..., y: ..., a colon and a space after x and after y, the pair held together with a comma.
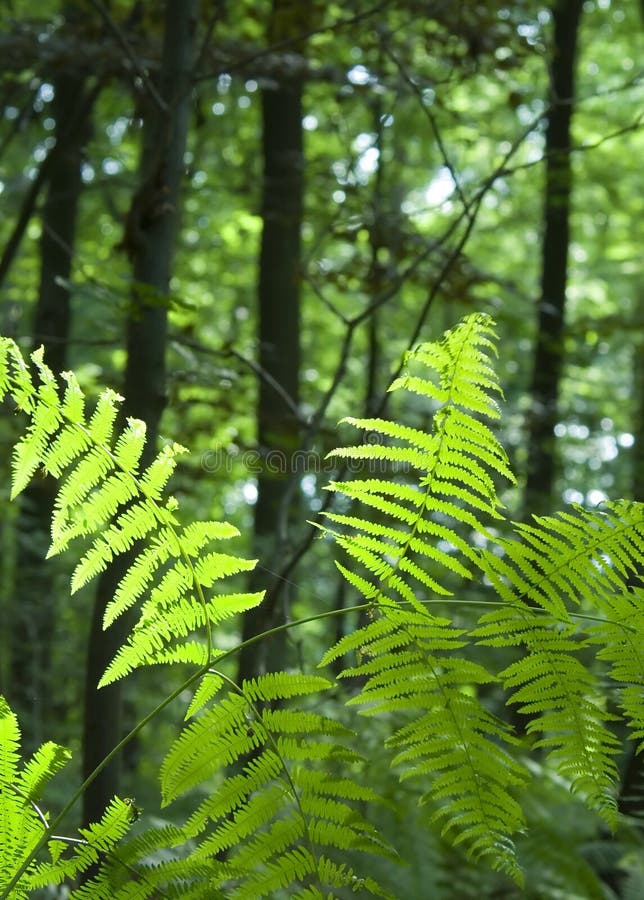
x: 150, y: 239
x: 631, y: 795
x: 34, y: 610
x: 279, y: 337
x: 549, y: 353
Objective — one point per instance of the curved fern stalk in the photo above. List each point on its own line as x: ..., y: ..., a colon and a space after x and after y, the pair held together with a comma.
x: 278, y: 822
x: 409, y: 657
x: 561, y: 562
x: 104, y: 496
x: 22, y: 823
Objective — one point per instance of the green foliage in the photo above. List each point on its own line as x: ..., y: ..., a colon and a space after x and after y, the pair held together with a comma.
x: 292, y: 819
x: 277, y: 791
x: 407, y: 656
x: 106, y: 497
x: 276, y: 820
x: 22, y: 823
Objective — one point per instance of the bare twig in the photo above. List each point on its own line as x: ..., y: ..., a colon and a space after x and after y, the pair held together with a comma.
x: 228, y: 351
x: 104, y: 13
x: 429, y: 115
x: 303, y: 36
x: 284, y: 574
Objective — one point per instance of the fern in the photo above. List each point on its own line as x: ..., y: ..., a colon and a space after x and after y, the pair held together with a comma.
x: 104, y: 496
x: 276, y: 822
x: 413, y: 660
x: 23, y: 824
x: 542, y: 579
x: 278, y: 799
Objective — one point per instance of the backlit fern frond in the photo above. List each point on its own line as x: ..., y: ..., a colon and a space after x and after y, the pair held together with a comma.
x: 94, y: 843
x: 107, y: 498
x: 451, y: 473
x: 412, y: 662
x: 23, y: 824
x: 578, y: 559
x: 277, y: 821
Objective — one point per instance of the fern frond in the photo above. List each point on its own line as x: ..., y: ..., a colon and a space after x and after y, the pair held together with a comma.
x: 23, y: 824
x: 451, y: 738
x: 168, y: 619
x: 15, y: 378
x: 96, y: 841
x: 407, y: 658
x: 276, y: 816
x: 18, y: 829
x: 455, y: 466
x: 621, y: 639
x: 560, y: 561
x: 106, y: 498
x: 272, y: 821
x: 49, y: 759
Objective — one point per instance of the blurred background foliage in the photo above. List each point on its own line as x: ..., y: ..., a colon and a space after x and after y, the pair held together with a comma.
x: 423, y: 125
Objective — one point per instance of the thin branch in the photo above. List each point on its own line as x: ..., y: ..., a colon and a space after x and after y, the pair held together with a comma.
x: 429, y: 115
x: 218, y: 14
x: 258, y: 370
x: 268, y: 379
x: 18, y: 123
x: 633, y: 126
x: 319, y: 293
x: 291, y: 564
x: 122, y: 41
x: 302, y: 37
x: 26, y: 212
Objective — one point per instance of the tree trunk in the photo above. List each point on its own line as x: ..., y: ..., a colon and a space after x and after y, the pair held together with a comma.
x: 279, y: 339
x: 549, y: 352
x: 631, y: 795
x: 150, y: 238
x: 34, y: 611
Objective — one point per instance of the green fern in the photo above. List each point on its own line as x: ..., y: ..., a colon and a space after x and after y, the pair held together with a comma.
x: 279, y: 801
x: 276, y: 822
x: 296, y: 822
x: 105, y: 497
x: 456, y: 465
x: 543, y: 579
x: 413, y: 660
x: 23, y: 823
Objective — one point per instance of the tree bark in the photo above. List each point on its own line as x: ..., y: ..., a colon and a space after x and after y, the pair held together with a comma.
x: 150, y: 239
x: 279, y: 339
x: 34, y: 613
x: 549, y: 352
x: 631, y: 794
